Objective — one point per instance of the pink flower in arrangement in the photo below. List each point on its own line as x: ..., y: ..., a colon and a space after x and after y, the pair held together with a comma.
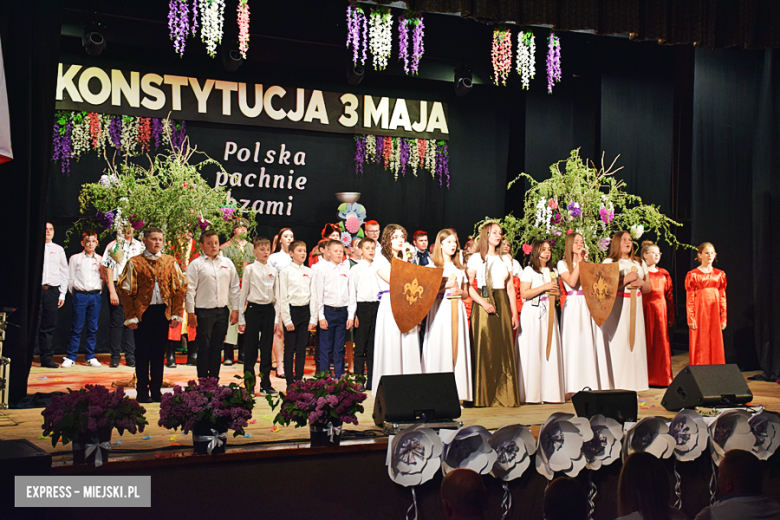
x: 552, y: 203
x: 556, y: 218
x: 352, y: 223
x: 227, y: 213
x: 527, y: 248
x: 569, y: 231
x: 606, y: 215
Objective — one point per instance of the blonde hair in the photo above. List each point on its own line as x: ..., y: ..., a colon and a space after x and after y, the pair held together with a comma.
x: 646, y: 245
x: 483, y: 244
x: 703, y: 246
x: 438, y: 255
x: 568, y: 252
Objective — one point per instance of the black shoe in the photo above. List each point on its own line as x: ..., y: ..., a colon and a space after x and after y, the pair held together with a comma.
x: 156, y: 398
x: 269, y: 391
x: 192, y: 352
x: 143, y: 399
x: 130, y: 362
x: 228, y: 362
x: 49, y: 363
x: 114, y: 363
x: 170, y: 357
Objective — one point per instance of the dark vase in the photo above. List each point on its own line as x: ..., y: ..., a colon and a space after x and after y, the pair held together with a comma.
x: 101, y: 436
x: 205, y: 435
x: 325, y: 434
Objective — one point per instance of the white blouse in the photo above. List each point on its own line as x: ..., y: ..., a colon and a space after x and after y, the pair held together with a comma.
x: 499, y: 270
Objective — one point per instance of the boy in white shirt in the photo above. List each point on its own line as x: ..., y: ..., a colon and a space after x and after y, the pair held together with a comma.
x: 85, y: 285
x: 258, y: 308
x: 298, y: 302
x: 333, y: 301
x: 363, y: 306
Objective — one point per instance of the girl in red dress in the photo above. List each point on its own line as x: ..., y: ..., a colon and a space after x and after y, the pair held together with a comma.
x: 706, y: 309
x: 658, y: 306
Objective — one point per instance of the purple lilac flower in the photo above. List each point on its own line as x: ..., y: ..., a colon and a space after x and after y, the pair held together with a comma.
x: 203, y: 223
x: 380, y: 147
x: 115, y: 131
x: 157, y: 131
x: 360, y: 152
x: 178, y: 24
x: 442, y: 162
x: 553, y: 61
x: 418, y: 48
x: 63, y: 146
x: 227, y: 213
x: 194, y: 25
x: 574, y: 210
x: 403, y: 155
x: 136, y: 223
x: 556, y: 218
x: 604, y: 243
x: 105, y: 219
x: 606, y: 215
x: 403, y: 41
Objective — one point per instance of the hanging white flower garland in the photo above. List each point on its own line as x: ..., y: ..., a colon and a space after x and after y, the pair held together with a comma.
x: 212, y: 19
x: 381, y: 36
x: 526, y: 57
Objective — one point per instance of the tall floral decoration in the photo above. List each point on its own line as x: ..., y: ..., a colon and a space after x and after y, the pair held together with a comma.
x: 381, y: 36
x: 526, y: 57
x: 243, y: 27
x: 414, y: 22
x: 179, y: 23
x: 501, y: 54
x: 397, y: 154
x: 553, y: 61
x: 357, y: 31
x: 211, y: 23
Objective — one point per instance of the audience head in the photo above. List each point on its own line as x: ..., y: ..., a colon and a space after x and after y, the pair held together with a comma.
x: 153, y: 240
x: 706, y: 254
x: 420, y: 240
x: 49, y: 231
x: 372, y: 229
x: 622, y: 246
x: 644, y: 486
x: 739, y: 471
x: 335, y: 251
x: 446, y: 249
x: 565, y: 500
x: 284, y: 239
x: 262, y: 249
x: 489, y: 239
x: 463, y: 495
x: 367, y: 249
x: 541, y: 255
x: 393, y: 240
x: 331, y: 231
x: 298, y: 251
x: 209, y: 243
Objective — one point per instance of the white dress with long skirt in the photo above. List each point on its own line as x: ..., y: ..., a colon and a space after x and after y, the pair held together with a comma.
x: 541, y: 379
x: 437, y: 346
x: 621, y: 367
x: 578, y: 340
x: 394, y: 353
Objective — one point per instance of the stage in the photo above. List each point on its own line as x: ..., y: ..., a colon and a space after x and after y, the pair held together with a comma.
x: 262, y: 434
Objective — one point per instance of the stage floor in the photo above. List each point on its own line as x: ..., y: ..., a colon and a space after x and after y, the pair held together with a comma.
x: 157, y: 442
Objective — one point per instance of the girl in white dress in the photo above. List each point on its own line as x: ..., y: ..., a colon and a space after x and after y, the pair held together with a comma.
x: 541, y: 378
x: 578, y: 330
x: 280, y: 259
x: 625, y: 369
x: 394, y: 353
x: 438, y: 349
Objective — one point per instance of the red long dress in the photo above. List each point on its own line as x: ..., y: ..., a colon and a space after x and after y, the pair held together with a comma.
x: 658, y: 306
x: 706, y: 306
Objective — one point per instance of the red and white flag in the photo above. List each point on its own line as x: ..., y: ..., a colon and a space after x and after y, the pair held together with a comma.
x: 5, y: 118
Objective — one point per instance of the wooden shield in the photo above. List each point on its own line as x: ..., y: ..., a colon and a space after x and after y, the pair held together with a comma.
x: 599, y: 285
x: 413, y: 289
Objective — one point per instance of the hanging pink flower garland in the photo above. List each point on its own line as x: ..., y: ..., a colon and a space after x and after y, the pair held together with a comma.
x: 243, y: 27
x: 396, y: 154
x: 553, y: 61
x: 501, y: 54
x: 357, y: 34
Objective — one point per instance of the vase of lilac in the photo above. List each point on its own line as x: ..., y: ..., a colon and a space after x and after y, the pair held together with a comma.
x: 208, y: 410
x: 323, y: 403
x: 88, y: 417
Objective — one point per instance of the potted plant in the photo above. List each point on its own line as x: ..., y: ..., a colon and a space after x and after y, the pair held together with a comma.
x: 209, y: 411
x: 88, y: 417
x: 323, y: 402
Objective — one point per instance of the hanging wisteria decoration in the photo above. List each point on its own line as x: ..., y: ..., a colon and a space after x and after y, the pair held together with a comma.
x: 553, y: 61
x: 415, y: 22
x: 357, y: 31
x: 179, y: 23
x: 501, y: 54
x: 397, y: 154
x: 381, y: 36
x: 243, y: 27
x: 78, y: 133
x: 212, y: 18
x: 526, y: 57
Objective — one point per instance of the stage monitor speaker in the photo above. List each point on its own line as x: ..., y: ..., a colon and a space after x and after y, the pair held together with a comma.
x: 416, y: 398
x: 707, y: 385
x: 620, y: 405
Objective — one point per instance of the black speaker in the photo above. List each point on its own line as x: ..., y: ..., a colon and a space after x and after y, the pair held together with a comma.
x: 620, y: 405
x: 416, y: 398
x: 707, y: 385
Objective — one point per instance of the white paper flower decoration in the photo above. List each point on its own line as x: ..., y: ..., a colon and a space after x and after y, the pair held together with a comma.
x: 605, y: 446
x: 730, y: 431
x: 690, y: 433
x: 413, y: 456
x: 560, y: 445
x: 766, y: 430
x: 514, y: 446
x: 650, y: 434
x: 467, y: 448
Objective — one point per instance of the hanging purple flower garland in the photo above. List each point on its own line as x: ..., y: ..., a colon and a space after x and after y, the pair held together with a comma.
x: 63, y: 149
x: 403, y: 41
x: 179, y: 24
x: 400, y: 153
x: 418, y: 47
x: 115, y: 131
x: 405, y: 21
x: 357, y: 34
x: 553, y: 61
x: 157, y: 131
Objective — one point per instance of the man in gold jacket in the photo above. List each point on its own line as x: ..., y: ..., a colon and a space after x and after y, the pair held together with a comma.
x: 152, y: 288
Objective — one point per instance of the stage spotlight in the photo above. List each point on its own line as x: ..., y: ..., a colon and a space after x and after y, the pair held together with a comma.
x: 462, y: 80
x: 93, y: 40
x: 232, y: 60
x: 355, y: 73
